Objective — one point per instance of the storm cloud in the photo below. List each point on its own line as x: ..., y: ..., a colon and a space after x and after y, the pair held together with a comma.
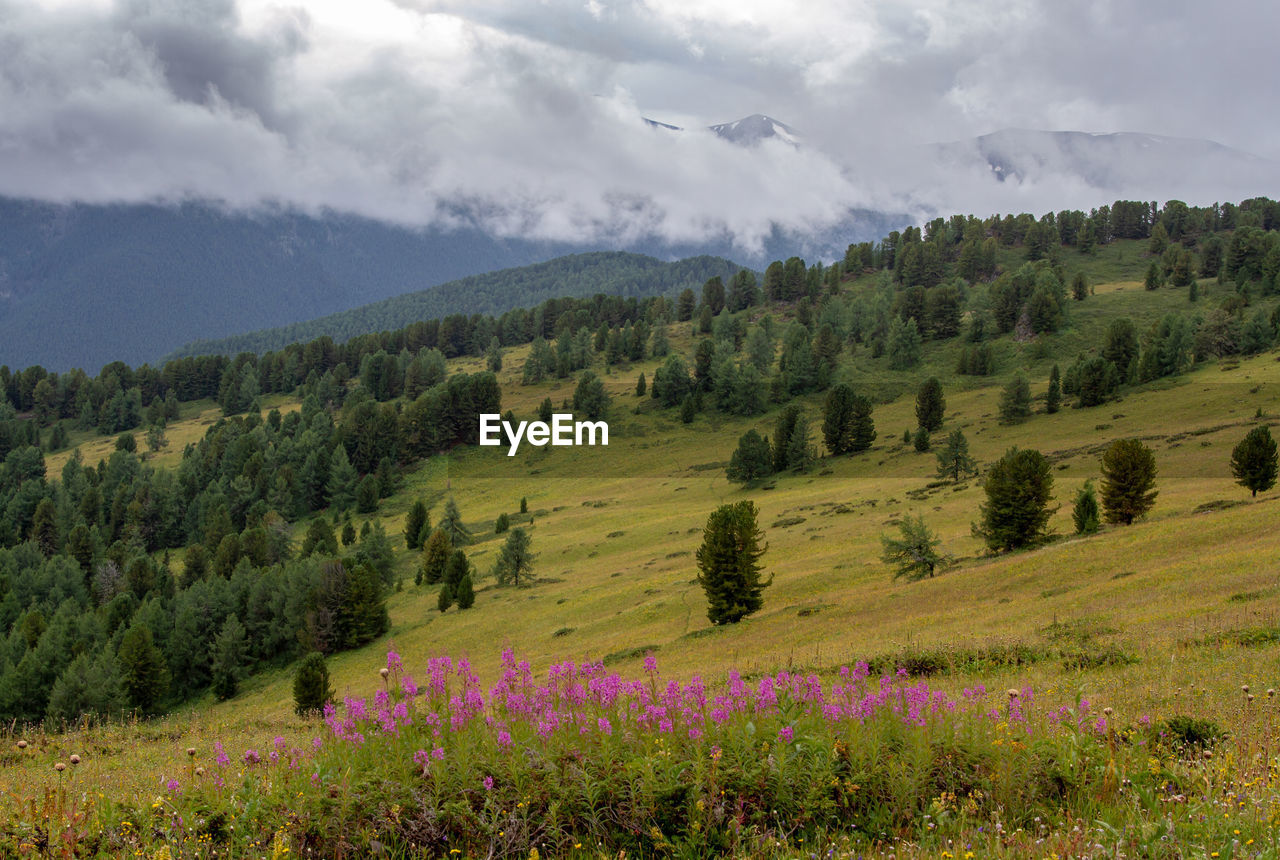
x: 526, y: 117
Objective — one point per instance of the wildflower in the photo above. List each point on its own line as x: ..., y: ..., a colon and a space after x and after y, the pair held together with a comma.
x: 604, y: 726
x: 75, y: 759
x: 785, y: 734
x: 22, y: 745
x: 504, y: 738
x: 1013, y: 694
x: 191, y: 751
x: 251, y: 757
x: 60, y: 767
x: 488, y: 783
x: 172, y: 786
x: 438, y: 753
x: 384, y: 672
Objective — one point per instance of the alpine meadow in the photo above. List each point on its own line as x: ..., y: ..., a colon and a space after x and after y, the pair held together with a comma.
x: 960, y: 546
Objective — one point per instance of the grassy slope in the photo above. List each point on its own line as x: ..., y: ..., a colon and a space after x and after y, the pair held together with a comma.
x: 616, y: 529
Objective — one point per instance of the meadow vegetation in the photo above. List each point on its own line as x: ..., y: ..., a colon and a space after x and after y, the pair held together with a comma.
x: 1068, y: 678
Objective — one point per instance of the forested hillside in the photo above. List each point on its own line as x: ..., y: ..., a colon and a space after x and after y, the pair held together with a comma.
x: 128, y: 586
x: 578, y: 275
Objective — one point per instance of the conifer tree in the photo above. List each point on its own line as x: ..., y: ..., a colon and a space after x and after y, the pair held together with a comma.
x: 319, y: 540
x: 466, y: 595
x: 451, y: 524
x: 367, y: 495
x: 1084, y: 513
x: 752, y: 460
x: 1128, y: 479
x: 435, y: 557
x: 954, y: 461
x: 729, y: 563
x: 1053, y: 398
x: 456, y: 568
x: 640, y: 386
x: 800, y: 454
x: 1018, y: 489
x: 1253, y: 461
x: 417, y: 525
x: 343, y: 480
x: 44, y: 528
x: 311, y: 690
x: 445, y: 600
x: 913, y: 553
x: 1015, y: 400
x: 920, y: 440
x: 143, y: 673
x: 230, y: 653
x: 501, y: 524
x: 515, y: 559
x: 931, y: 406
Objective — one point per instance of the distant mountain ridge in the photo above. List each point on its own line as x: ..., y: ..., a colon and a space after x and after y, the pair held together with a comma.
x: 82, y: 285
x: 748, y: 131
x: 614, y: 273
x: 1106, y: 161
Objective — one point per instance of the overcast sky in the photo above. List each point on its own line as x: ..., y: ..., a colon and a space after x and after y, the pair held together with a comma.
x: 526, y: 113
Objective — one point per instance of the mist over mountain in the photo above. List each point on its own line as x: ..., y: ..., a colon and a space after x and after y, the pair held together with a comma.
x: 82, y: 284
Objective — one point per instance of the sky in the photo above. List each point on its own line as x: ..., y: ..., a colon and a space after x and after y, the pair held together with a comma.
x: 525, y: 115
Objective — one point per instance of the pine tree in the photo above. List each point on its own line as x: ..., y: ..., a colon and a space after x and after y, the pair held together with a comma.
x: 367, y: 495
x: 143, y: 673
x: 954, y: 461
x: 1253, y: 461
x: 417, y: 525
x: 688, y: 408
x: 44, y: 528
x: 445, y: 600
x: 230, y: 652
x: 515, y: 559
x: 456, y: 568
x: 524, y: 504
x: 800, y: 455
x: 1018, y: 489
x: 1079, y: 287
x: 435, y: 557
x: 752, y: 460
x: 1015, y: 400
x: 640, y: 386
x: 1128, y: 479
x: 1154, y: 278
x: 311, y: 690
x: 931, y: 406
x: 319, y: 540
x: 1084, y: 513
x: 914, y: 553
x: 846, y: 423
x: 451, y: 524
x: 466, y: 595
x: 501, y: 524
x: 590, y: 398
x: 920, y: 441
x: 348, y: 532
x: 343, y: 480
x: 729, y: 563
x: 1053, y: 399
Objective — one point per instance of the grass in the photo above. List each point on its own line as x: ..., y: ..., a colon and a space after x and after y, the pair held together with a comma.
x: 1167, y: 618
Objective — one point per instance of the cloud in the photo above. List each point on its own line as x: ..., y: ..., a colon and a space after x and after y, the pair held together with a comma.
x: 525, y: 117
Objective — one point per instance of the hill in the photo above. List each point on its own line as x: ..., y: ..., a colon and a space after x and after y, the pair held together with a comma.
x: 1125, y: 650
x: 578, y: 275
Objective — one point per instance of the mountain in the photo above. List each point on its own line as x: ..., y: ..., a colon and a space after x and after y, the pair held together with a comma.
x: 756, y: 128
x: 82, y: 285
x: 748, y: 131
x: 1122, y: 162
x: 579, y: 275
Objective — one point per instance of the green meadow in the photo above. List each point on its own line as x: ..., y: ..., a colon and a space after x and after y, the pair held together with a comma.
x: 1170, y: 618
